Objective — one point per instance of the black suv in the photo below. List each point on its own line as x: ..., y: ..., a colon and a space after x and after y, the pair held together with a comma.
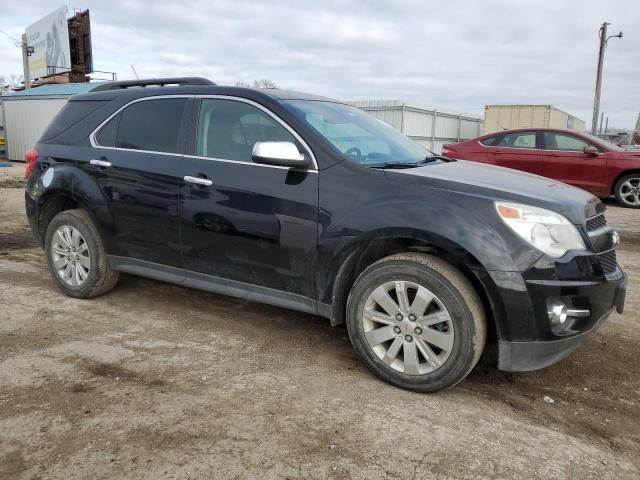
x: 311, y: 204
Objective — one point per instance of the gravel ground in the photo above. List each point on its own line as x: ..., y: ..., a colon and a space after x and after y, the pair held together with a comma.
x: 159, y: 381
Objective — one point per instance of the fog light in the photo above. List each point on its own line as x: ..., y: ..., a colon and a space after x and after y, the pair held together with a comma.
x: 559, y: 312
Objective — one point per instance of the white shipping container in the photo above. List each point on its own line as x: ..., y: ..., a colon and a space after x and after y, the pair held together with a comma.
x: 506, y: 117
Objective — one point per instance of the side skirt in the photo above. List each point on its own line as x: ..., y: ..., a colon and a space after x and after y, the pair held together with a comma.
x: 220, y: 285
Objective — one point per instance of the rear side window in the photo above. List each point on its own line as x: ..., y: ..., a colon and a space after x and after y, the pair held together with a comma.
x: 490, y: 142
x: 71, y: 113
x: 152, y: 125
x: 106, y: 136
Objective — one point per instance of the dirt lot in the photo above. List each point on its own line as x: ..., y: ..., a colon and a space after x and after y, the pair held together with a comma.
x: 159, y: 381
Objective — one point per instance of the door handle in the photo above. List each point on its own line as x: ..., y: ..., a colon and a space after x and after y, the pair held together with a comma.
x: 198, y: 180
x: 100, y: 163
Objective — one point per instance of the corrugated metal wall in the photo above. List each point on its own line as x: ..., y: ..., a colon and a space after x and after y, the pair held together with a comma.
x: 3, y: 143
x: 25, y: 120
x: 431, y: 127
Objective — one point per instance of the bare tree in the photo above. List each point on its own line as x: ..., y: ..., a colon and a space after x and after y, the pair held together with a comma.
x: 264, y: 83
x: 10, y: 83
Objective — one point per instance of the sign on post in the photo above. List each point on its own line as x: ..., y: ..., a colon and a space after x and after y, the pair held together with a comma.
x: 49, y: 38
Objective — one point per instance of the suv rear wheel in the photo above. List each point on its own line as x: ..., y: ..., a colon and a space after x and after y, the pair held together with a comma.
x: 416, y: 322
x: 76, y: 257
x: 627, y: 191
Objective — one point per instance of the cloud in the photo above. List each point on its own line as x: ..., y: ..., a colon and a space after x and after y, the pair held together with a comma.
x: 454, y: 54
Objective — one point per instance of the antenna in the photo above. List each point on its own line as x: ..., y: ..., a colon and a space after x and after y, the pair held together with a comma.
x: 134, y: 72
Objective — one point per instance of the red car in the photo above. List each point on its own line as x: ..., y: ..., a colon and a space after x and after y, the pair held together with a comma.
x: 576, y: 158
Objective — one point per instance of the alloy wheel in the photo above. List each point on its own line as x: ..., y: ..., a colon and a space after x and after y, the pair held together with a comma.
x: 70, y: 254
x: 630, y: 191
x: 408, y: 327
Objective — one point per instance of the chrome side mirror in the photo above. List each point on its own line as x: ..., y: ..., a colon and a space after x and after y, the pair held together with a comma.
x: 284, y: 154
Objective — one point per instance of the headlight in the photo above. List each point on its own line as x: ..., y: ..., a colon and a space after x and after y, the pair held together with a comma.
x: 547, y: 231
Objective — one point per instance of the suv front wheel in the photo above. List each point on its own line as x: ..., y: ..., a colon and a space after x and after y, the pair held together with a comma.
x: 416, y: 321
x: 76, y: 256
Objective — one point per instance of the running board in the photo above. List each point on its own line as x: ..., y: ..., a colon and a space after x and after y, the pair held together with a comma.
x: 224, y: 286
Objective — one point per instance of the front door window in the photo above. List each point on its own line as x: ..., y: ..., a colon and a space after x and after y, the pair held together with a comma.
x: 563, y: 142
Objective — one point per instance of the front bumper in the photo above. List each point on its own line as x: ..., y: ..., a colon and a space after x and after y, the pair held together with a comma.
x: 533, y: 355
x: 527, y: 340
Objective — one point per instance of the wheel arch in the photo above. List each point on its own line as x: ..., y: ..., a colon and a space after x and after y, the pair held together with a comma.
x: 363, y: 251
x: 72, y: 188
x: 620, y: 175
x: 51, y: 203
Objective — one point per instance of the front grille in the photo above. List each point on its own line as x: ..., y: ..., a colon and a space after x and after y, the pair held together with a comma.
x: 594, y: 223
x: 608, y: 261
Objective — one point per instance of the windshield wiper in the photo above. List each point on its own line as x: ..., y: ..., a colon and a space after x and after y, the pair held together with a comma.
x: 394, y: 165
x: 433, y: 158
x: 429, y: 159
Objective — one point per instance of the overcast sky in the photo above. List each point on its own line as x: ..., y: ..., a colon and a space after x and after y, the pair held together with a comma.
x: 457, y: 55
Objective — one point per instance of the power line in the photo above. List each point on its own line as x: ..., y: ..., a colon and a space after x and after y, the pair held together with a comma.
x: 16, y: 42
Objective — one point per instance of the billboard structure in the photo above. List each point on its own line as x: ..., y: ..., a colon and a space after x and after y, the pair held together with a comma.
x: 80, y: 43
x: 49, y: 38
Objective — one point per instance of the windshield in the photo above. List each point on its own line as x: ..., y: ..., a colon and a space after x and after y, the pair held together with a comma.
x: 359, y: 136
x: 605, y: 143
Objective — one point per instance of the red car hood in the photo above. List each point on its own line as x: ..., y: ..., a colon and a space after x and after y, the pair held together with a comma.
x: 627, y: 155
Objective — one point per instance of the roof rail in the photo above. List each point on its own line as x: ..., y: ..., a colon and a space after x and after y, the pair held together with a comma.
x: 160, y: 82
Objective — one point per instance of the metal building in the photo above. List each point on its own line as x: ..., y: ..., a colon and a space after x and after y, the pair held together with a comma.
x: 429, y: 126
x: 3, y: 143
x: 26, y: 114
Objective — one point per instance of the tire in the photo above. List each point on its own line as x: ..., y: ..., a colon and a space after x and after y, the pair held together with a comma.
x: 627, y: 191
x: 460, y: 326
x: 89, y: 253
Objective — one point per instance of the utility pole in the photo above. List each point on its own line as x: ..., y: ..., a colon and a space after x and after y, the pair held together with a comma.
x: 603, y: 45
x: 601, y: 117
x: 26, y: 53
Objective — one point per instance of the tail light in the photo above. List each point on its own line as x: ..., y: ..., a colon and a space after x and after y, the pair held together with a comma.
x: 31, y: 157
x: 447, y: 152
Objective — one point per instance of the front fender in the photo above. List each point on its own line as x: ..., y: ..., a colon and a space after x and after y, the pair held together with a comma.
x: 465, y: 226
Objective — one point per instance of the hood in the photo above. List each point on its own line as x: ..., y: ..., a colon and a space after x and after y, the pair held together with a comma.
x: 498, y: 183
x: 628, y: 155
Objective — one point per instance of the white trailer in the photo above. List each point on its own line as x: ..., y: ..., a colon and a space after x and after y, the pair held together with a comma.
x: 506, y: 117
x: 26, y: 114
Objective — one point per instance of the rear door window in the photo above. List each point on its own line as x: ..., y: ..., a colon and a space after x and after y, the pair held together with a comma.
x: 150, y: 125
x: 518, y: 140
